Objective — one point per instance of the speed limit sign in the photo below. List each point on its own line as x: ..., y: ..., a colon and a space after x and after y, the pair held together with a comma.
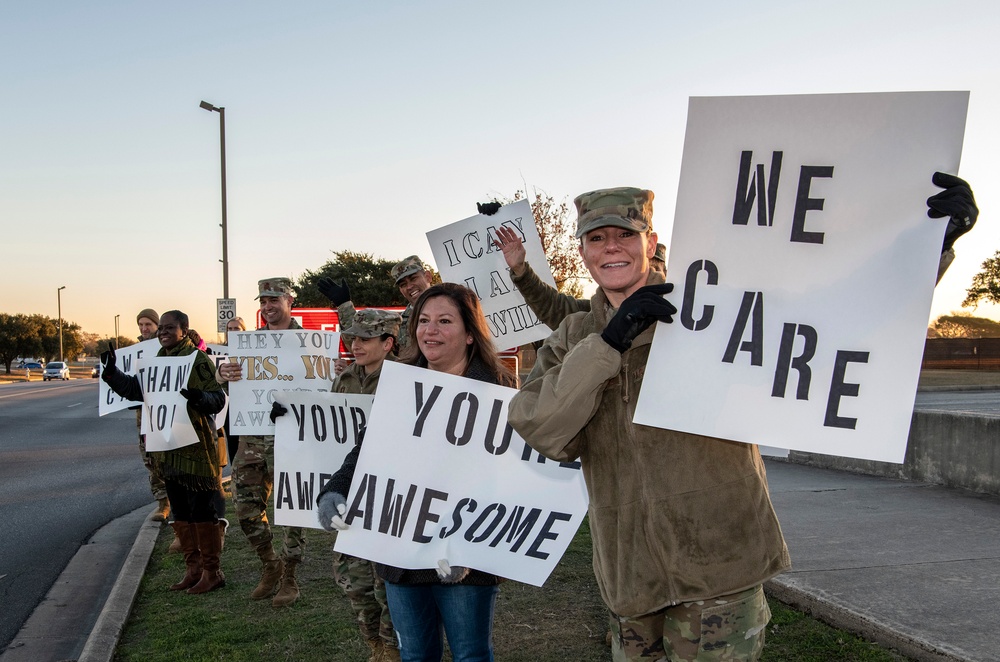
x: 227, y: 311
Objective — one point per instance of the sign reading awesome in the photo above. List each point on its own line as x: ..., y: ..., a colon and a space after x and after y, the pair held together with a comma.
x: 443, y: 476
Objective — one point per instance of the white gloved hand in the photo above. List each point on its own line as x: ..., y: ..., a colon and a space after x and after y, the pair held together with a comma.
x: 332, y: 507
x: 450, y: 574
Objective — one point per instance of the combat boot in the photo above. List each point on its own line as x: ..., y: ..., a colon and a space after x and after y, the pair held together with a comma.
x: 376, y: 649
x: 390, y: 653
x: 210, y: 543
x: 162, y: 510
x: 188, y: 536
x: 270, y: 574
x: 289, y: 591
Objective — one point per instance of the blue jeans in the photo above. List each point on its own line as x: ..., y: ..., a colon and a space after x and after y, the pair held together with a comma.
x: 421, y: 613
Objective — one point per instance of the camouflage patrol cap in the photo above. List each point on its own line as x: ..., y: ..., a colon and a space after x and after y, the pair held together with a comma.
x: 372, y: 323
x: 404, y: 268
x: 661, y: 253
x: 274, y: 287
x: 623, y: 207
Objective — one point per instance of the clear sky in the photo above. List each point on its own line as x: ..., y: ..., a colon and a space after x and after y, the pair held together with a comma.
x: 362, y: 125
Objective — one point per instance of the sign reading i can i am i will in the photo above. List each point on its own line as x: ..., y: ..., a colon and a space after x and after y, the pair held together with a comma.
x: 466, y: 253
x: 804, y: 264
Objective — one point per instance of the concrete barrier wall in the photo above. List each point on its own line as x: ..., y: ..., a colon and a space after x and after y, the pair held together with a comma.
x: 958, y: 450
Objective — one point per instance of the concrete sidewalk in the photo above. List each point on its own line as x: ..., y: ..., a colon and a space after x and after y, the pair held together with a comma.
x: 911, y: 565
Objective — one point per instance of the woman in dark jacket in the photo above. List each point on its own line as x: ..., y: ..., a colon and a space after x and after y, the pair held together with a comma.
x: 191, y: 473
x: 448, y: 333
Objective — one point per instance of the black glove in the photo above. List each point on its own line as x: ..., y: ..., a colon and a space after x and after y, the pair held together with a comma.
x: 277, y: 409
x: 488, y: 208
x: 637, y: 313
x: 337, y: 294
x: 956, y: 202
x: 108, y: 358
x: 198, y: 400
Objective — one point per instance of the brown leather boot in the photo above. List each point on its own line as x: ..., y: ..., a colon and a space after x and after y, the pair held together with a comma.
x: 289, y: 591
x: 376, y: 649
x: 210, y: 543
x: 270, y: 574
x: 188, y: 535
x: 175, y: 546
x: 162, y: 510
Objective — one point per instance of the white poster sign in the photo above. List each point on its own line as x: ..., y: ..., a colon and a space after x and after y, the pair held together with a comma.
x: 442, y: 475
x: 165, y: 420
x: 272, y: 361
x: 804, y: 264
x: 126, y: 359
x: 465, y: 253
x: 310, y: 443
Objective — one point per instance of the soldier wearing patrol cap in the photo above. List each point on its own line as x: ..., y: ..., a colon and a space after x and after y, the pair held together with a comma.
x: 684, y: 492
x: 372, y: 338
x: 659, y: 261
x: 253, y: 470
x: 411, y: 275
x: 148, y: 320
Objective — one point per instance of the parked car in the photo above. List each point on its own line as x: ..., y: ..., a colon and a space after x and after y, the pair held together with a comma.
x: 95, y: 372
x: 31, y: 365
x: 56, y: 370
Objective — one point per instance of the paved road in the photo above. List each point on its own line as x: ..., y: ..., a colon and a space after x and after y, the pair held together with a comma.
x: 64, y: 473
x: 960, y: 402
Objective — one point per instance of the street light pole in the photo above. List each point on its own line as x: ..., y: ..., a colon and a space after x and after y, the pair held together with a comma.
x: 225, y: 243
x: 59, y: 303
x: 116, y: 330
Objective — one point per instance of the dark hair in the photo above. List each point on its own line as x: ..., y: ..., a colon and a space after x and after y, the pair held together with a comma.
x: 475, y: 323
x: 395, y: 343
x: 181, y: 318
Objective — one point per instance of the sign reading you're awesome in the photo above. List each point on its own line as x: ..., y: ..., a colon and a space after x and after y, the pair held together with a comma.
x: 443, y: 476
x: 804, y: 264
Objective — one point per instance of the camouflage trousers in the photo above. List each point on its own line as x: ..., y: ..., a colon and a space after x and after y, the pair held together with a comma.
x: 729, y: 627
x: 366, y: 591
x: 156, y: 484
x: 253, y: 476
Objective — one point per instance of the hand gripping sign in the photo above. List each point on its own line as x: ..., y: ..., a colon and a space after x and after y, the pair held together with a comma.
x: 443, y: 476
x: 804, y: 264
x: 273, y: 361
x: 465, y: 253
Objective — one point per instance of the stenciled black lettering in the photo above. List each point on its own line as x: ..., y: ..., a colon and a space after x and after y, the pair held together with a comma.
x: 423, y: 409
x: 840, y: 389
x: 690, y: 285
x: 545, y: 533
x: 804, y: 203
x: 752, y: 305
x: 799, y: 363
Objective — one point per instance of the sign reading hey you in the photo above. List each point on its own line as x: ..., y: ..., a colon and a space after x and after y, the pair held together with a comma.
x: 273, y: 361
x: 442, y: 475
x: 804, y: 265
x: 465, y: 253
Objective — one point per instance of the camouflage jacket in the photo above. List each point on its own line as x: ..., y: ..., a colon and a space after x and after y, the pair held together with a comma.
x: 675, y: 517
x: 549, y: 304
x: 354, y: 379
